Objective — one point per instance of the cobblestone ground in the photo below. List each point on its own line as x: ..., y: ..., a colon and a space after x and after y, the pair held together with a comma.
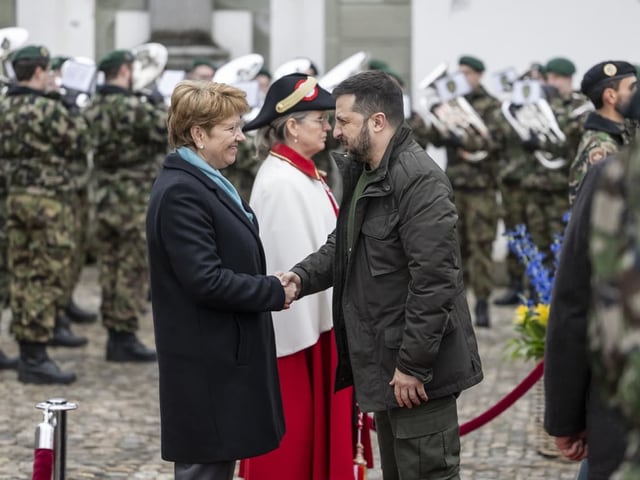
x: 114, y: 434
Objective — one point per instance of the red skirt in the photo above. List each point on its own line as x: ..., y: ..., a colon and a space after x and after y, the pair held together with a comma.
x: 320, y: 427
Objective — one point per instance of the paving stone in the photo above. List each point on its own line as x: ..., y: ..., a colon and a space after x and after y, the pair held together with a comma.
x: 115, y: 432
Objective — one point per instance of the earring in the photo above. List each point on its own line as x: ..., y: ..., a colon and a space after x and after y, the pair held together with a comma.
x: 201, y: 147
x: 295, y: 139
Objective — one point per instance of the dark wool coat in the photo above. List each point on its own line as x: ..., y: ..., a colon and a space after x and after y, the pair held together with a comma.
x: 573, y: 402
x: 219, y: 387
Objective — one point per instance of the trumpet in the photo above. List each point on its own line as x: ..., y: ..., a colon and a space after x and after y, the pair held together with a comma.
x: 449, y: 111
x: 529, y: 114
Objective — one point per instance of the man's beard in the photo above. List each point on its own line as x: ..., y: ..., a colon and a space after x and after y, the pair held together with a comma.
x: 622, y: 107
x: 360, y: 149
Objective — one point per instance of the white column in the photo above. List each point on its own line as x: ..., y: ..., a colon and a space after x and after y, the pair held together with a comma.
x: 65, y: 27
x: 297, y: 30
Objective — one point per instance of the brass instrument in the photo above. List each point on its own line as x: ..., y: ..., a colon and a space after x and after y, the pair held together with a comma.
x: 150, y: 59
x: 529, y: 113
x: 448, y: 110
x: 346, y: 68
x: 241, y: 73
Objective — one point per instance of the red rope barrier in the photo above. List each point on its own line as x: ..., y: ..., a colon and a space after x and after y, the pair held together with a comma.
x: 42, y: 464
x: 508, y: 400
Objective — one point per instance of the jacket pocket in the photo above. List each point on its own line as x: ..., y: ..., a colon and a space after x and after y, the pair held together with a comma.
x: 382, y: 243
x: 242, y: 347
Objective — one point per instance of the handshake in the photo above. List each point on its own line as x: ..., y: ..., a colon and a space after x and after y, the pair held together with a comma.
x: 291, y: 283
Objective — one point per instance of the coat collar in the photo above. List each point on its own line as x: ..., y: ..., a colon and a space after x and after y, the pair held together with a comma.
x: 175, y: 162
x: 597, y: 122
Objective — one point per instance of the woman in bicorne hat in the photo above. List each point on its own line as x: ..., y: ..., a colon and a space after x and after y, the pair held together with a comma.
x: 297, y: 212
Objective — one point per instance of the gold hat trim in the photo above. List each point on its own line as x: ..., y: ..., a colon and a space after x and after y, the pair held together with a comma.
x: 298, y: 94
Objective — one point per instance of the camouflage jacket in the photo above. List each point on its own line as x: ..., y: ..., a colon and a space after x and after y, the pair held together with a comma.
x: 128, y: 133
x: 43, y: 147
x: 614, y: 329
x: 467, y: 174
x: 602, y: 137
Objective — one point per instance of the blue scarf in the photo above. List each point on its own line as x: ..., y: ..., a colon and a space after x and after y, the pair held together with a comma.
x: 190, y: 156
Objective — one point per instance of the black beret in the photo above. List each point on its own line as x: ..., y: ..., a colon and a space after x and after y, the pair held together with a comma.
x: 115, y: 59
x: 472, y: 62
x: 603, y: 72
x: 295, y: 92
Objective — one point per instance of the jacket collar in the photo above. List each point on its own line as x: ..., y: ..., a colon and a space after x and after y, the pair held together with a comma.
x: 175, y: 162
x: 351, y: 169
x: 597, y: 122
x: 111, y: 89
x: 289, y: 155
x: 22, y: 90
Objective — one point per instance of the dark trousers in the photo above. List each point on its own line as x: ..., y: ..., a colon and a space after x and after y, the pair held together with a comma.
x: 204, y: 471
x: 420, y: 443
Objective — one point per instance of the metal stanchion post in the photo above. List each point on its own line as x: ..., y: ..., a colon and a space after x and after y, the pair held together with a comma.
x: 58, y: 408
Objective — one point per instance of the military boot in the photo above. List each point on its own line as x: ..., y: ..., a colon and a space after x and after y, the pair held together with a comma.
x: 7, y: 363
x: 125, y: 347
x: 63, y: 336
x: 78, y: 314
x: 511, y: 296
x: 35, y: 366
x: 482, y: 314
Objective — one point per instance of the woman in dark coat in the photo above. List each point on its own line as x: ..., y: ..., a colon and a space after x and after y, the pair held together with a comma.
x: 219, y: 389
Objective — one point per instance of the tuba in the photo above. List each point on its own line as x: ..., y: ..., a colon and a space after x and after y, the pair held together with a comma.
x: 449, y: 111
x: 241, y: 73
x: 149, y: 62
x: 296, y: 65
x: 529, y: 113
x: 343, y: 70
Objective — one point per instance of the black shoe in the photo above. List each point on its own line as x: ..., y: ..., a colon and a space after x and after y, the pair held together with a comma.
x: 78, y: 314
x: 7, y: 363
x: 63, y: 336
x: 482, y: 314
x: 35, y: 366
x: 125, y: 347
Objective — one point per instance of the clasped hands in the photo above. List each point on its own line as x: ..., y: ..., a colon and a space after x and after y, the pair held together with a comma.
x: 291, y: 283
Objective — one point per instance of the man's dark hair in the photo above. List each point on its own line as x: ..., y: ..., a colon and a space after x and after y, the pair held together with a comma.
x: 112, y: 72
x: 596, y: 95
x: 25, y: 69
x: 375, y: 91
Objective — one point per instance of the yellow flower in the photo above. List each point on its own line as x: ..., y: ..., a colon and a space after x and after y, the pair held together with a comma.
x: 521, y: 314
x: 542, y: 313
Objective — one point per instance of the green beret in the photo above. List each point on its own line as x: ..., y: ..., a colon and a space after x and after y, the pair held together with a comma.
x: 115, y: 59
x: 56, y: 62
x: 472, y: 62
x: 31, y: 52
x: 603, y: 72
x: 375, y: 64
x: 560, y: 66
x: 201, y: 61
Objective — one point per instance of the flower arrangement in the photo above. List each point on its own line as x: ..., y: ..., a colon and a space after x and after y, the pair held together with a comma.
x: 532, y: 315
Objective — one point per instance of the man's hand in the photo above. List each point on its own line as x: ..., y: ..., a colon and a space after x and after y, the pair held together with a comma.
x: 291, y: 283
x: 573, y: 447
x: 408, y: 390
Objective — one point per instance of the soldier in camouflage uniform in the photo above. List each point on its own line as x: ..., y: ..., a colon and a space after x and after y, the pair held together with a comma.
x: 5, y: 362
x: 128, y: 131
x: 40, y: 141
x: 609, y: 85
x: 615, y: 319
x: 545, y: 187
x: 475, y: 188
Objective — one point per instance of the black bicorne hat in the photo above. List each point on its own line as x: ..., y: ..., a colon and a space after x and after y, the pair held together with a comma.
x: 295, y: 92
